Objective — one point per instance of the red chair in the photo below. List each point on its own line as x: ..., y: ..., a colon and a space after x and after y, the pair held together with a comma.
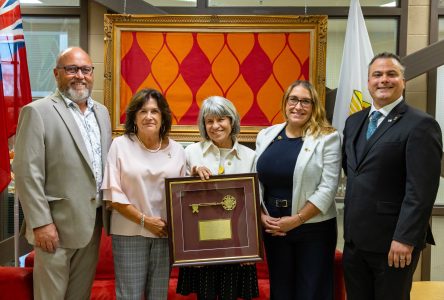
x: 16, y: 283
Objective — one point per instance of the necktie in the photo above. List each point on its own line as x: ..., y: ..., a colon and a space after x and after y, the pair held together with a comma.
x: 373, y: 124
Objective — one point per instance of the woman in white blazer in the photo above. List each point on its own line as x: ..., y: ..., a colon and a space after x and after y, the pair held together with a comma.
x: 298, y: 166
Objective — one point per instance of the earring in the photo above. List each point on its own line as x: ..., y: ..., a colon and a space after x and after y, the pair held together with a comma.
x: 135, y: 128
x: 163, y: 130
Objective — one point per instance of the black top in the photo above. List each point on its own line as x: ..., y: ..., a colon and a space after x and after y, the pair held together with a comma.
x: 275, y: 166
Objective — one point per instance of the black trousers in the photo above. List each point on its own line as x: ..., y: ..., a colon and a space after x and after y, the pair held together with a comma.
x: 301, y: 264
x: 369, y: 277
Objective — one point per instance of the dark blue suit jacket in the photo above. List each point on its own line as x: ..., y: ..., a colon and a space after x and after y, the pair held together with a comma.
x: 391, y: 189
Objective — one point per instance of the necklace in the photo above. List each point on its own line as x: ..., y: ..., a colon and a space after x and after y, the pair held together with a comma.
x: 149, y: 150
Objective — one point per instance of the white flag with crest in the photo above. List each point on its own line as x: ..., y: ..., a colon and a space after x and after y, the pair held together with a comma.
x: 352, y: 94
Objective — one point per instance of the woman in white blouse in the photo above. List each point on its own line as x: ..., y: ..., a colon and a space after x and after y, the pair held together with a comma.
x: 219, y: 153
x: 137, y: 164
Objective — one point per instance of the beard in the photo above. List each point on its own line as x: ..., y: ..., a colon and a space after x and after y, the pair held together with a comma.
x: 77, y: 95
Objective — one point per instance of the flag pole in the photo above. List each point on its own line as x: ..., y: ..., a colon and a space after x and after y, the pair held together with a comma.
x: 16, y: 230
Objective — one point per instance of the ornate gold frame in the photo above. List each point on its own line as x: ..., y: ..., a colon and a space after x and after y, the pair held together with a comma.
x: 116, y: 23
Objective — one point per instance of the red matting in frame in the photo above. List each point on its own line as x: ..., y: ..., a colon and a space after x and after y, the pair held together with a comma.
x: 202, y: 232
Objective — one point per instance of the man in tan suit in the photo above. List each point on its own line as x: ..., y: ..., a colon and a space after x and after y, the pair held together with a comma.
x: 61, y: 147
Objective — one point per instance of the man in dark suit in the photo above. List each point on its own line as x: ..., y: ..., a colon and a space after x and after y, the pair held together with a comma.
x: 61, y: 147
x: 391, y: 156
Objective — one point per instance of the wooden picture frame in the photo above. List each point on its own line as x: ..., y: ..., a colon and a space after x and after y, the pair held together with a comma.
x: 214, y: 221
x: 250, y: 60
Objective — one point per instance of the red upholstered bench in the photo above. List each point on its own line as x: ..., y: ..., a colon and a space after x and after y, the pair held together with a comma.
x: 16, y: 283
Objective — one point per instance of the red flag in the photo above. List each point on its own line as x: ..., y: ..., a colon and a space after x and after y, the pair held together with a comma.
x: 15, y: 87
x: 5, y: 174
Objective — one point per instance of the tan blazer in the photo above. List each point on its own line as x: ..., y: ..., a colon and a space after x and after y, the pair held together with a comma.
x: 54, y: 178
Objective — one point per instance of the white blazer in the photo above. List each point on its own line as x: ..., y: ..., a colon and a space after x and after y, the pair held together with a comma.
x: 316, y: 174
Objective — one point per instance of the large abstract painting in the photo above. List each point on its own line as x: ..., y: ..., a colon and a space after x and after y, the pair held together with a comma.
x: 250, y: 60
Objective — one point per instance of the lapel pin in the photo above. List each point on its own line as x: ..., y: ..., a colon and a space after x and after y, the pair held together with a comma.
x: 393, y: 119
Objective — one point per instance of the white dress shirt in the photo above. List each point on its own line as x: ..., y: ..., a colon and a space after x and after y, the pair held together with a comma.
x: 240, y: 158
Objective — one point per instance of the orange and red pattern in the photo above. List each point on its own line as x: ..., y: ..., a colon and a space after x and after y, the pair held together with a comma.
x: 250, y: 69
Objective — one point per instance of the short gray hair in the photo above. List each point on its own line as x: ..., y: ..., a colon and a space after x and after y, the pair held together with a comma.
x: 220, y: 107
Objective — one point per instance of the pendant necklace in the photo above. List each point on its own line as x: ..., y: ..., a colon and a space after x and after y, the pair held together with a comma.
x: 149, y: 150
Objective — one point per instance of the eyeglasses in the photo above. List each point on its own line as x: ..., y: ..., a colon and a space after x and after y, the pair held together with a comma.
x: 293, y: 101
x: 72, y: 70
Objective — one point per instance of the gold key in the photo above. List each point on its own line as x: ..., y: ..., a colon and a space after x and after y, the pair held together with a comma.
x: 228, y: 203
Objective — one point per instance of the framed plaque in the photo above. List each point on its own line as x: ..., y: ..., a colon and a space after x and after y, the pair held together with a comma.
x: 214, y: 221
